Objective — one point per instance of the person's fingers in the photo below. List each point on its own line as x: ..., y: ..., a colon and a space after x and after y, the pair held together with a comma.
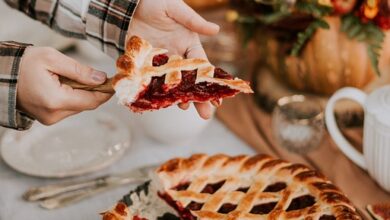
x: 196, y: 50
x: 184, y: 106
x: 80, y: 100
x: 50, y: 119
x: 63, y: 65
x: 204, y: 110
x: 83, y: 101
x: 216, y: 103
x: 186, y: 16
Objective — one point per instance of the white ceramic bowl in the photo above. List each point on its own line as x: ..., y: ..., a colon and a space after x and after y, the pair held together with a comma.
x: 171, y: 125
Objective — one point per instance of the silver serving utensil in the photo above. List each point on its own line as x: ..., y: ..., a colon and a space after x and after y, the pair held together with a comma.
x: 65, y: 199
x: 72, y: 197
x: 135, y: 175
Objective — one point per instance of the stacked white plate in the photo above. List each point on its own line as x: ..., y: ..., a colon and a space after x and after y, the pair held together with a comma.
x: 80, y: 144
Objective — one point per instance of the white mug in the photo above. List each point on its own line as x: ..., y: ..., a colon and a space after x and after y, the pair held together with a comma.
x: 376, y: 137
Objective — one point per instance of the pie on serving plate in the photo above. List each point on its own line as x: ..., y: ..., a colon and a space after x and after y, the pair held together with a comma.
x: 148, y: 79
x: 243, y: 187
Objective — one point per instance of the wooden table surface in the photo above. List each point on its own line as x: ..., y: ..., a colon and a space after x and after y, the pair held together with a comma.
x: 253, y: 125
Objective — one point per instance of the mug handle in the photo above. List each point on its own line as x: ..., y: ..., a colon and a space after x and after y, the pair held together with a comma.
x: 334, y: 131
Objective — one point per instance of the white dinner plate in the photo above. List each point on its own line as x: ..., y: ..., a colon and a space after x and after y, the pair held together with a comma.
x: 80, y: 144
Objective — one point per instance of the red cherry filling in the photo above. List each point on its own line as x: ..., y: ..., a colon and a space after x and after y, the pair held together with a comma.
x: 276, y: 187
x: 301, y: 202
x: 155, y: 96
x: 327, y: 217
x: 243, y: 189
x: 195, y: 206
x: 160, y: 60
x: 184, y: 213
x: 182, y: 186
x: 227, y: 208
x: 212, y: 188
x: 263, y: 209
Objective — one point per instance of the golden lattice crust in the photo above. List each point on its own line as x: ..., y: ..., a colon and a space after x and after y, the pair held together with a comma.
x: 136, y: 70
x: 256, y: 173
x: 120, y: 212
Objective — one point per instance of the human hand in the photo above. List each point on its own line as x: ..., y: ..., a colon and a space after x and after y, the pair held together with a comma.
x: 40, y: 93
x: 173, y: 25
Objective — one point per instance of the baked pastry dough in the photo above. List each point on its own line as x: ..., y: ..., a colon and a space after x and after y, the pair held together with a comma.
x: 243, y: 187
x: 148, y: 79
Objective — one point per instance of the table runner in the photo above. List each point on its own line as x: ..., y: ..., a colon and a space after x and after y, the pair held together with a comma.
x: 253, y: 125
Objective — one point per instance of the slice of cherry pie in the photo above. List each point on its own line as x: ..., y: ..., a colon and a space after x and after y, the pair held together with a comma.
x: 148, y: 79
x: 221, y: 187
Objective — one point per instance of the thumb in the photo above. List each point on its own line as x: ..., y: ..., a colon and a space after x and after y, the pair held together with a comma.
x: 65, y: 66
x: 183, y: 14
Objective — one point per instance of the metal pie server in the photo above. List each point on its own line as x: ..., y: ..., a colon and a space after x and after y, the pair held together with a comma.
x: 74, y: 187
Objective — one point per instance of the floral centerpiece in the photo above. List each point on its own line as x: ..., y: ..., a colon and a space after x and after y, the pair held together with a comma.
x: 318, y: 45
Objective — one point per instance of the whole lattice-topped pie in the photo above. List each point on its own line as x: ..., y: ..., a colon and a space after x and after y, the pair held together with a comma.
x: 149, y: 79
x: 243, y: 187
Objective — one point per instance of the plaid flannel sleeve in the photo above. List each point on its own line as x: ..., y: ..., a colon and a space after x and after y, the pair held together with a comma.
x: 10, y: 57
x: 108, y: 22
x: 105, y: 24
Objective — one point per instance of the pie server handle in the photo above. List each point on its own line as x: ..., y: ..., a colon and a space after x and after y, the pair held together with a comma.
x: 105, y: 87
x: 73, y: 197
x: 39, y: 193
x: 66, y: 199
x: 50, y: 191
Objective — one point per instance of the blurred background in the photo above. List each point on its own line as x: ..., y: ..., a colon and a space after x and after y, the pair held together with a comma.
x: 16, y: 26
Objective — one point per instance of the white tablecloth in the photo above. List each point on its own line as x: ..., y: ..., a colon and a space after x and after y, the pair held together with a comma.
x: 215, y: 139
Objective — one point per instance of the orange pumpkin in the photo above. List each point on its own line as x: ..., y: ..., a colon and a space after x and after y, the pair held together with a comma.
x: 328, y: 62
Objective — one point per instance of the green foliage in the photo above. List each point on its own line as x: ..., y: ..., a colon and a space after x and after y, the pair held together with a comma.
x: 264, y: 19
x: 352, y: 25
x: 369, y: 33
x: 281, y: 10
x: 304, y: 36
x: 249, y: 32
x: 313, y: 8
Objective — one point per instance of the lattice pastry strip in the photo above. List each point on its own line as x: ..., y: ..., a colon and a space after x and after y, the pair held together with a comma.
x: 248, y: 188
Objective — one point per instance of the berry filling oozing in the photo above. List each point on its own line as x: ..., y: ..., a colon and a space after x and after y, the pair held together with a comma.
x: 139, y: 218
x: 184, y: 213
x: 155, y: 96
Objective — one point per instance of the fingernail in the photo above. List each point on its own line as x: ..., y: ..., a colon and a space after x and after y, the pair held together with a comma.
x: 207, y: 114
x: 215, y: 26
x: 98, y: 76
x: 216, y: 103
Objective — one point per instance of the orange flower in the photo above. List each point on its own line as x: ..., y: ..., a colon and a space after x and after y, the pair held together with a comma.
x: 371, y: 8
